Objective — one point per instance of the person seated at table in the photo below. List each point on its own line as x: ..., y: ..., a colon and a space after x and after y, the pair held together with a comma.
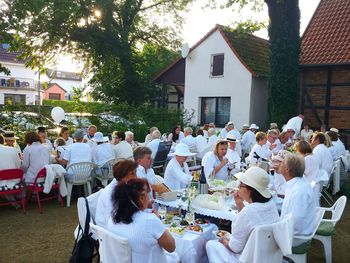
x: 42, y: 135
x: 201, y: 143
x: 123, y: 149
x: 10, y: 141
x: 215, y: 162
x: 154, y: 144
x: 129, y: 137
x: 143, y: 157
x: 259, y: 210
x: 92, y: 129
x: 234, y: 161
x: 177, y: 174
x: 189, y: 139
x: 145, y: 232
x: 338, y: 143
x: 64, y: 133
x: 176, y: 134
x: 212, y: 138
x: 258, y: 152
x: 279, y: 183
x: 334, y: 147
x: 272, y: 145
x: 103, y: 152
x: 149, y: 137
x: 299, y: 198
x: 60, y: 147
x: 322, y: 152
x: 123, y: 171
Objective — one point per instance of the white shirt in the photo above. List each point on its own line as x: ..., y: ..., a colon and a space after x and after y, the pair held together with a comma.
x: 175, y: 176
x: 251, y: 216
x: 123, y: 150
x: 9, y: 159
x: 212, y: 140
x: 148, y: 139
x: 153, y: 145
x: 201, y: 143
x: 78, y: 152
x: 61, y: 150
x: 48, y: 144
x: 340, y: 147
x: 234, y: 158
x: 306, y: 134
x: 311, y: 168
x: 260, y: 150
x: 324, y: 157
x: 248, y: 141
x: 181, y: 137
x: 295, y: 124
x: 142, y: 233
x: 105, y: 205
x: 334, y: 151
x: 269, y: 152
x: 68, y: 142
x: 35, y: 157
x: 300, y: 202
x: 223, y: 133
x: 209, y: 162
x: 149, y: 174
x: 236, y: 133
x: 191, y: 142
x: 102, y: 153
x: 279, y: 183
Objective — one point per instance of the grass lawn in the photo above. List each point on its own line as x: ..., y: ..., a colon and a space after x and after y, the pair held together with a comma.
x: 48, y: 237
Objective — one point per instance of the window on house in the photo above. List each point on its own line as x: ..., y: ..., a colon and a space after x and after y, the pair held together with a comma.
x: 216, y: 110
x: 217, y: 65
x: 54, y: 96
x: 11, y: 99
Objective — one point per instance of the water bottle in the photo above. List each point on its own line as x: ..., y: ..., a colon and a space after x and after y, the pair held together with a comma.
x: 203, y: 186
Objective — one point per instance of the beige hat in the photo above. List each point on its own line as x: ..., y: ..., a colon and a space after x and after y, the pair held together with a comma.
x: 334, y: 130
x: 182, y: 150
x: 256, y: 178
x: 231, y: 137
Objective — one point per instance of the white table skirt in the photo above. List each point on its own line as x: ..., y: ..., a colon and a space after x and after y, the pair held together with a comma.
x: 191, y: 247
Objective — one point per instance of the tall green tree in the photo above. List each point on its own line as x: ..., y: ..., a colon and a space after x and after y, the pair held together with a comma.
x: 105, y: 34
x: 284, y: 37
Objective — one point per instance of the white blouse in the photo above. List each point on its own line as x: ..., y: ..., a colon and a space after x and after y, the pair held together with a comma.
x: 260, y: 150
x: 210, y: 162
x: 175, y: 176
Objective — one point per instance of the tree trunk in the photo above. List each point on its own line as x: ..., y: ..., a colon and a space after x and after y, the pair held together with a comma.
x: 284, y: 59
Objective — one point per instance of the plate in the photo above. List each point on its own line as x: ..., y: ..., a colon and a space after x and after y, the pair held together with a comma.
x: 177, y: 231
x: 202, y: 222
x: 195, y: 229
x: 221, y: 233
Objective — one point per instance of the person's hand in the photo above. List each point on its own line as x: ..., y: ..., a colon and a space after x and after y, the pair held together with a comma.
x: 273, y: 146
x: 154, y: 211
x: 224, y: 240
x: 224, y: 161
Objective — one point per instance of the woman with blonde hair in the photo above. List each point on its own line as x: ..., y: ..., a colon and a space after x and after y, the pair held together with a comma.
x: 215, y: 162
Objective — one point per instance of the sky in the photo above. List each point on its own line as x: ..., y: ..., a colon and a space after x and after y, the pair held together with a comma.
x: 198, y: 22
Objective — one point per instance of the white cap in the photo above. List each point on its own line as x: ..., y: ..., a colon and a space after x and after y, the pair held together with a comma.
x: 256, y: 178
x: 334, y: 130
x: 254, y: 126
x: 182, y: 150
x: 98, y: 137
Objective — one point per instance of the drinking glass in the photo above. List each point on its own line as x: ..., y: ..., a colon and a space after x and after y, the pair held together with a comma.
x: 162, y: 211
x: 189, y: 215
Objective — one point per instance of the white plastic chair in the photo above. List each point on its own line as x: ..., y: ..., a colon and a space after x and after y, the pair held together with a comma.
x: 268, y: 243
x: 159, y: 179
x: 336, y: 176
x: 301, y: 258
x: 325, y: 184
x: 327, y: 227
x: 113, y: 248
x: 79, y: 174
x: 107, y: 172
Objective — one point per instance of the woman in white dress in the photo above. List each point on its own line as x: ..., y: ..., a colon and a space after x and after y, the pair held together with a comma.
x: 216, y: 163
x: 146, y: 235
x: 312, y: 171
x: 260, y: 210
x: 258, y: 152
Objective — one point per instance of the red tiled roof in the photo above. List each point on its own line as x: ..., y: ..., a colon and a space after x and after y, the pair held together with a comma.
x: 327, y: 37
x: 8, y: 56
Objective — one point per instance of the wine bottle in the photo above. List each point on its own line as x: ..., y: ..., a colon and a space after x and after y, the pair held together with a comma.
x: 203, y: 186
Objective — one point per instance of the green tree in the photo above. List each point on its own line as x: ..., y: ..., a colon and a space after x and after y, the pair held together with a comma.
x: 105, y: 34
x: 284, y: 37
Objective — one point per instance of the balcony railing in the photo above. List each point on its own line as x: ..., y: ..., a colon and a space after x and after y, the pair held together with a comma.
x: 6, y: 82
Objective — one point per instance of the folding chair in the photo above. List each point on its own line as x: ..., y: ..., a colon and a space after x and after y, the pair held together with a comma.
x: 162, y: 155
x: 13, y: 174
x: 79, y: 174
x: 106, y: 172
x: 38, y: 187
x: 326, y: 229
x: 112, y: 248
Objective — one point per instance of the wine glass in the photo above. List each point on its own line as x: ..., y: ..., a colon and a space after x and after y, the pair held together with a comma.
x: 189, y: 215
x: 162, y: 211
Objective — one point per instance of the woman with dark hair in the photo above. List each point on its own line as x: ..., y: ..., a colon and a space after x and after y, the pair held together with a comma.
x: 64, y: 133
x: 35, y: 156
x: 259, y: 210
x: 144, y: 231
x: 176, y: 134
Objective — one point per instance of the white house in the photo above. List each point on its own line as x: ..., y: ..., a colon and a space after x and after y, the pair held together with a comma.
x: 224, y: 78
x: 21, y: 85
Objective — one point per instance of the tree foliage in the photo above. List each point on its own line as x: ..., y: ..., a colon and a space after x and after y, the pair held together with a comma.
x: 284, y: 38
x: 105, y: 34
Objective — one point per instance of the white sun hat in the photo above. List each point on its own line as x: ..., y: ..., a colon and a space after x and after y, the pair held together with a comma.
x: 231, y: 137
x: 254, y: 126
x: 334, y: 130
x: 256, y: 178
x: 182, y: 150
x: 98, y: 137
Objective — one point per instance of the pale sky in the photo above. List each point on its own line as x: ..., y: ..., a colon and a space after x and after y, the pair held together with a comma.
x: 198, y: 22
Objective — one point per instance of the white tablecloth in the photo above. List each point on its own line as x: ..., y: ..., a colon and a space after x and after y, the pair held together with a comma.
x: 191, y: 247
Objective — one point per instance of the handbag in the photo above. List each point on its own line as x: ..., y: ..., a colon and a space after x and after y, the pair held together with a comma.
x: 83, y: 251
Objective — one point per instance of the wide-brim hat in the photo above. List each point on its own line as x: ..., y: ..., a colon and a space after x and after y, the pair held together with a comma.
x: 256, y: 178
x: 10, y: 135
x: 182, y: 150
x: 98, y: 137
x: 245, y: 126
x: 254, y: 126
x: 231, y: 137
x: 334, y: 130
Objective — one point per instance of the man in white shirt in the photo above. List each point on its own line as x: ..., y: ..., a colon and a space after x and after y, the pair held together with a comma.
x: 123, y: 149
x: 76, y: 152
x: 177, y: 174
x: 339, y: 145
x: 212, y: 138
x: 103, y: 151
x: 295, y: 125
x: 322, y: 153
x: 271, y: 147
x: 234, y: 161
x: 201, y: 143
x: 154, y: 143
x: 248, y: 139
x: 129, y: 137
x: 228, y: 127
x: 189, y: 139
x: 104, y: 204
x: 299, y: 197
x: 238, y: 137
x: 92, y: 129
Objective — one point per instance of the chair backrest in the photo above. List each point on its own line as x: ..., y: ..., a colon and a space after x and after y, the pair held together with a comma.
x: 268, y: 243
x: 338, y: 209
x: 162, y: 153
x: 113, y: 248
x: 9, y: 174
x: 40, y: 177
x: 109, y: 165
x: 81, y: 171
x: 318, y: 219
x: 159, y: 179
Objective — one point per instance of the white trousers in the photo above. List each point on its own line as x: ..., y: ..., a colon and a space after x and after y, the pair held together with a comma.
x: 218, y: 253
